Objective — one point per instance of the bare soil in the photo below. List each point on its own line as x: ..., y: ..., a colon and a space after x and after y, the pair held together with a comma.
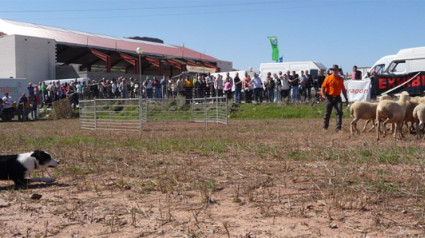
x: 277, y: 178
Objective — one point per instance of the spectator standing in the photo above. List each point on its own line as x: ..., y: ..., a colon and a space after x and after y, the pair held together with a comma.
x: 163, y: 87
x: 286, y: 87
x: 294, y: 80
x: 331, y: 91
x: 123, y: 88
x: 188, y: 86
x: 79, y: 89
x: 22, y: 108
x: 58, y: 91
x: 173, y: 88
x: 278, y: 88
x: 210, y: 85
x: 269, y: 84
x: 43, y: 89
x: 37, y: 93
x: 8, y: 108
x: 219, y: 85
x: 373, y: 77
x: 86, y: 90
x: 230, y: 80
x: 228, y: 88
x: 180, y: 86
x: 170, y: 81
x: 238, y: 88
x: 114, y: 88
x: 197, y: 84
x: 149, y: 87
x: 309, y: 84
x: 356, y: 74
x: 258, y: 88
x: 33, y: 106
x: 72, y: 95
x: 320, y: 79
x: 30, y: 89
x: 130, y: 88
x: 303, y: 85
x: 248, y: 88
x: 203, y: 88
x: 94, y: 89
x: 157, y: 87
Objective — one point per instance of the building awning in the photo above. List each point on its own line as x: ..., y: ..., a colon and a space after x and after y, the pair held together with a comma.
x: 104, y: 57
x: 131, y: 60
x: 100, y: 42
x: 175, y: 63
x: 211, y: 66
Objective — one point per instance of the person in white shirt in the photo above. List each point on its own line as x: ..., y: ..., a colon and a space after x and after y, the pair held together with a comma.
x: 286, y: 87
x: 219, y: 85
x: 258, y: 88
x: 114, y: 88
x: 8, y: 109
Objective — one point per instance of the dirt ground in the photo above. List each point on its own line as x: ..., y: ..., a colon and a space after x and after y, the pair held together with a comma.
x: 277, y: 178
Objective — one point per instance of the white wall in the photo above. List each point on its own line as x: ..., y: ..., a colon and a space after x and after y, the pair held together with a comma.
x: 225, y: 66
x: 32, y: 58
x: 7, y: 57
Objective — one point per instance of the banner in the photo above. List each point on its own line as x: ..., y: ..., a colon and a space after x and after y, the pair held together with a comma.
x: 357, y: 90
x: 200, y: 69
x: 414, y: 83
x: 273, y: 42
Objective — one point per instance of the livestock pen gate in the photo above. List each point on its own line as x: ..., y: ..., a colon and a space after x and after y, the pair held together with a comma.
x: 137, y: 113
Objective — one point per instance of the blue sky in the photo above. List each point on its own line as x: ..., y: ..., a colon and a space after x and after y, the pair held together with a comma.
x: 340, y: 32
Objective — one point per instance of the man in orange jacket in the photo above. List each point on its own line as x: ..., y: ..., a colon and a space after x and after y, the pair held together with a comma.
x: 331, y: 91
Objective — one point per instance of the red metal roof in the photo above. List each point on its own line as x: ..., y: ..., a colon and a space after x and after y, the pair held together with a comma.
x: 64, y: 36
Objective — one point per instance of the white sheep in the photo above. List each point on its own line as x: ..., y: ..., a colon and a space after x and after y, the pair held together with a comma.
x: 365, y: 111
x: 362, y: 110
x: 410, y: 106
x: 392, y: 112
x: 419, y: 116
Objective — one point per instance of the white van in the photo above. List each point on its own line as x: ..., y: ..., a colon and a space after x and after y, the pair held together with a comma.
x: 15, y: 87
x: 406, y: 72
x: 407, y: 61
x: 380, y: 66
x: 273, y: 68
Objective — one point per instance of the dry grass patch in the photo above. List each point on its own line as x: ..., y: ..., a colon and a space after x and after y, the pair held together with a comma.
x: 253, y: 178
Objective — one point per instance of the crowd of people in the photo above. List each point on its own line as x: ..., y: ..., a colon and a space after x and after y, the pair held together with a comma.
x: 279, y: 87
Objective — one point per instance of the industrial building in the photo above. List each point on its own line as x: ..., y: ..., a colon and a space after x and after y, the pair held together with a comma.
x: 39, y: 53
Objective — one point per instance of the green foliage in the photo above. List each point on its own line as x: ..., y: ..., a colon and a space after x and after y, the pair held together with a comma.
x: 277, y: 111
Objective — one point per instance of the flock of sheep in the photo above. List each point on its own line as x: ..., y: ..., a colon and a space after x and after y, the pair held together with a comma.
x: 406, y: 109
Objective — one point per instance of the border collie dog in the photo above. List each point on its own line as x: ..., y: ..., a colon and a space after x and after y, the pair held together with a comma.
x: 18, y: 167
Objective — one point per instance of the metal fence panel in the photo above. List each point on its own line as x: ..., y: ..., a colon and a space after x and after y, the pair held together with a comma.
x: 135, y: 113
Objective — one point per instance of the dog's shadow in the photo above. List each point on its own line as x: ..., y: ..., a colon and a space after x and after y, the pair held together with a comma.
x: 33, y: 186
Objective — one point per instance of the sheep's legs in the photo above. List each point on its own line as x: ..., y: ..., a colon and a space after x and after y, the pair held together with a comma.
x: 373, y: 125
x: 354, y: 126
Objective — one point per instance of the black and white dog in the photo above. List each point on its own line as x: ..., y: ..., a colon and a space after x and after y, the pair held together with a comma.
x: 18, y: 167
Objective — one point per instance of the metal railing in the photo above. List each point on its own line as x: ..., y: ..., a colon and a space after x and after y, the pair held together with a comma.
x: 137, y: 113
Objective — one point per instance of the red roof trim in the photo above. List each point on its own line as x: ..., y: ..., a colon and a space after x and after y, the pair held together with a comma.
x: 153, y: 61
x: 132, y: 60
x: 191, y: 63
x: 175, y: 64
x: 103, y: 57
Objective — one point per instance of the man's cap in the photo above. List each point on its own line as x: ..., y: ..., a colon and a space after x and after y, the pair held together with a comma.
x: 335, y: 67
x: 280, y: 72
